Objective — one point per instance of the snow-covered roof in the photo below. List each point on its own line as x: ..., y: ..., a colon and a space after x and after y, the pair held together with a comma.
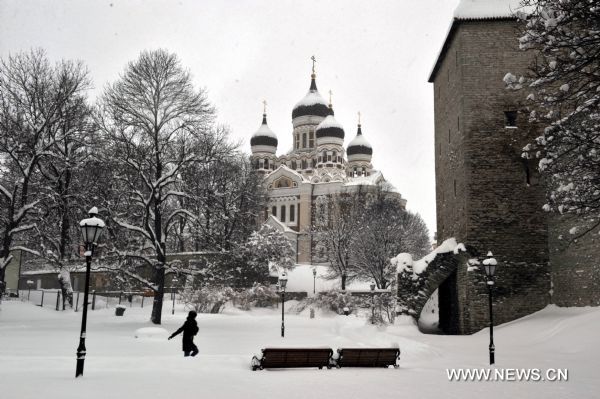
x: 371, y: 180
x: 477, y: 10
x: 329, y: 122
x: 375, y: 178
x: 311, y: 98
x: 486, y: 9
x: 264, y: 131
x: 281, y: 226
x: 360, y: 140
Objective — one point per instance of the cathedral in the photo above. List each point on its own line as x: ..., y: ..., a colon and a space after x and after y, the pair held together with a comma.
x: 317, y: 168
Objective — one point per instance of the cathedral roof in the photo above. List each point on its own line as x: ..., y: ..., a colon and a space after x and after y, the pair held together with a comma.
x: 359, y: 145
x: 312, y: 104
x: 264, y: 135
x: 329, y: 127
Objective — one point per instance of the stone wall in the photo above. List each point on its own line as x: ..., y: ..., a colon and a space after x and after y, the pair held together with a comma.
x: 487, y: 196
x: 575, y: 263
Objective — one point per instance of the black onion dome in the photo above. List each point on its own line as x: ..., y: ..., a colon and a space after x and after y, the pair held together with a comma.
x: 329, y: 127
x: 264, y: 135
x: 312, y: 104
x: 359, y: 145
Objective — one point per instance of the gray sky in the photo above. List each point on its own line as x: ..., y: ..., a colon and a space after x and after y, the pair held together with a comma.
x: 374, y: 55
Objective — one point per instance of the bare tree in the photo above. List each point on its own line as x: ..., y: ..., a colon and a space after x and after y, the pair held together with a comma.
x: 156, y: 123
x: 34, y: 100
x: 386, y: 230
x: 335, y: 229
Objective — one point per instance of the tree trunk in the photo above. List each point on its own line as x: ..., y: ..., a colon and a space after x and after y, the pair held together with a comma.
x: 344, y: 276
x: 158, y: 295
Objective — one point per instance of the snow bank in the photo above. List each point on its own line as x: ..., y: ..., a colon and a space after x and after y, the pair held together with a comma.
x: 151, y: 333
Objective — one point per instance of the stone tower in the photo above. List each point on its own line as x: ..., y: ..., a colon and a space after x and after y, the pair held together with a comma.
x: 487, y: 196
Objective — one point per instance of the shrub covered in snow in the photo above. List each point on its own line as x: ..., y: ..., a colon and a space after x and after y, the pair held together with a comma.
x: 334, y: 300
x: 259, y: 296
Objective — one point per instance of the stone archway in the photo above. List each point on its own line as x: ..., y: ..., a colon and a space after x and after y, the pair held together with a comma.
x: 440, y: 272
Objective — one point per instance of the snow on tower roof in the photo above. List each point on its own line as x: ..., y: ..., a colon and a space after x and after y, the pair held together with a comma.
x: 311, y: 98
x: 329, y: 122
x: 264, y: 131
x: 487, y: 9
x: 360, y: 140
x: 477, y: 10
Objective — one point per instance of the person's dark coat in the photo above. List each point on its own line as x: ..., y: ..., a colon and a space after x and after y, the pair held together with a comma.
x: 189, y: 329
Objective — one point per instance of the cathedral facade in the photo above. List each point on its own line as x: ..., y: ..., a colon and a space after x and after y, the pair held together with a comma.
x: 314, y: 171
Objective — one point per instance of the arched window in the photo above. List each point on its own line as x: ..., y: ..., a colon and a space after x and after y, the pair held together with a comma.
x: 304, y: 164
x: 283, y: 213
x: 261, y: 164
x: 354, y: 173
x: 303, y: 140
x: 274, y: 211
x: 311, y: 138
x: 364, y: 171
x: 297, y: 140
x: 294, y: 165
x: 292, y: 213
x: 334, y: 156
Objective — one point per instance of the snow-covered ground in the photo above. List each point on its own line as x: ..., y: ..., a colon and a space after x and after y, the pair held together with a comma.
x: 37, y: 356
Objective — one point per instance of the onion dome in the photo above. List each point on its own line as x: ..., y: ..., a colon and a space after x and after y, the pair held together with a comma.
x: 329, y: 131
x: 312, y: 104
x: 264, y: 140
x: 359, y: 148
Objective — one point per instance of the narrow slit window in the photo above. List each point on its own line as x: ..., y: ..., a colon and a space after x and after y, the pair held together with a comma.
x: 292, y: 213
x: 283, y: 213
x: 510, y: 119
x: 274, y: 211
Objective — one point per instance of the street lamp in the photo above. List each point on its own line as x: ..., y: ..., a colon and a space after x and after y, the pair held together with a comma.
x: 282, y: 283
x: 314, y: 271
x: 489, y: 265
x: 372, y: 303
x: 91, y: 228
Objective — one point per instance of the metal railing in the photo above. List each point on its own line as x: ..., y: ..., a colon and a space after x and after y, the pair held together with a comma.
x: 98, y: 299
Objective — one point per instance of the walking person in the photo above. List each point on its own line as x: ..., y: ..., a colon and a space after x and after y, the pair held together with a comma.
x: 189, y: 329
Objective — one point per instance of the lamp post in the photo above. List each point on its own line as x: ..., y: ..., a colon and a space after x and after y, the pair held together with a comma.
x: 489, y: 265
x: 91, y: 228
x: 314, y: 271
x: 372, y: 303
x: 282, y: 283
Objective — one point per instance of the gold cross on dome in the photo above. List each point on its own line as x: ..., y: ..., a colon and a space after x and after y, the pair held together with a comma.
x: 330, y: 94
x: 313, y: 60
x: 264, y: 106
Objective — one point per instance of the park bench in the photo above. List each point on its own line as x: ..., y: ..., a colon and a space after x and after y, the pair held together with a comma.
x: 293, y: 358
x: 367, y: 357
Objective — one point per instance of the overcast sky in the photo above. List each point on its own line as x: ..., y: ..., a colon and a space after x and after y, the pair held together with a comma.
x: 374, y: 55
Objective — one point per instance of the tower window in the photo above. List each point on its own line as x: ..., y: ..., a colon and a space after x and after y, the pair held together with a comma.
x: 294, y: 165
x: 354, y: 173
x: 304, y: 140
x: 274, y: 211
x: 510, y: 119
x: 297, y: 140
x: 261, y: 164
x: 328, y: 157
x: 311, y: 138
x: 304, y: 164
x: 292, y: 213
x: 283, y: 213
